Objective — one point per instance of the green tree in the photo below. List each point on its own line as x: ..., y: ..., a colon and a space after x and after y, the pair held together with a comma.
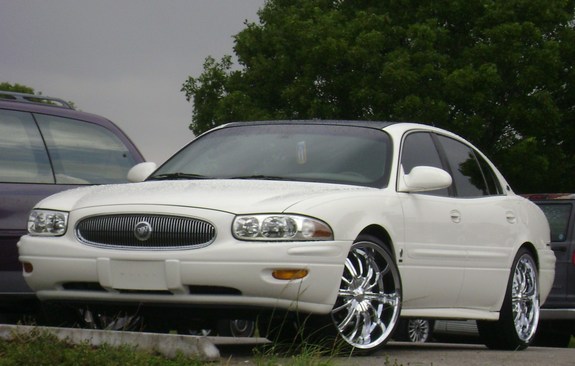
x: 18, y: 88
x: 498, y: 72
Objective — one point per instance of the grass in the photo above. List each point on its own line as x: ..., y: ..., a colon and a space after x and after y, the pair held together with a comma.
x: 41, y: 348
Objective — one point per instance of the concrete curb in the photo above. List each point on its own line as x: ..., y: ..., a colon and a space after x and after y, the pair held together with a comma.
x: 169, y: 345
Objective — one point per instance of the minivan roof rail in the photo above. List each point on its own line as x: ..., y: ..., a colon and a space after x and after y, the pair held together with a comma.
x: 33, y: 98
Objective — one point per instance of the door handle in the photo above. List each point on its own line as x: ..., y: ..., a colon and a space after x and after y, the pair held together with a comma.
x: 455, y: 216
x: 510, y: 217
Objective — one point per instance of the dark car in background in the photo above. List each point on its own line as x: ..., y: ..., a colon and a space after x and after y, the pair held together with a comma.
x: 46, y: 147
x: 557, y: 321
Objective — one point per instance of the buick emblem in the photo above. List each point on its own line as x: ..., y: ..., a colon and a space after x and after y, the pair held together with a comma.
x: 143, y: 231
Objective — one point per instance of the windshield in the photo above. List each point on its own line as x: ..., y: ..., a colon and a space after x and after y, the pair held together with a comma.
x: 300, y: 152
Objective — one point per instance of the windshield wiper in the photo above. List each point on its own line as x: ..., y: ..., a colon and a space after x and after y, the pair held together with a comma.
x: 259, y: 176
x: 178, y: 175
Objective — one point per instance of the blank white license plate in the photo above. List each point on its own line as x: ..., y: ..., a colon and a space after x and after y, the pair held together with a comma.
x: 135, y: 275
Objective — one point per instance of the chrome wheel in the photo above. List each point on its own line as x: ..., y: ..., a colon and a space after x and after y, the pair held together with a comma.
x: 525, y: 298
x: 116, y: 321
x: 369, y: 300
x: 519, y: 313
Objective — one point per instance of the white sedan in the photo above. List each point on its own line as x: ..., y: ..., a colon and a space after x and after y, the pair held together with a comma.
x: 322, y: 229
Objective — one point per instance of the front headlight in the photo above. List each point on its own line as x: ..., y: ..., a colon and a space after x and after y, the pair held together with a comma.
x: 280, y: 227
x: 47, y: 223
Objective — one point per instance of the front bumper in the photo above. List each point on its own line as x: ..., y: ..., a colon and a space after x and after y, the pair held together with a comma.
x: 225, y: 273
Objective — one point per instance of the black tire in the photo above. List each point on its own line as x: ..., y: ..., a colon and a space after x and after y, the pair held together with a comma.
x: 414, y: 330
x: 236, y: 328
x: 519, y: 314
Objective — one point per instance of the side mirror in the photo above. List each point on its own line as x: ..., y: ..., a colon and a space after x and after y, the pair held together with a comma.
x: 140, y: 172
x: 423, y: 178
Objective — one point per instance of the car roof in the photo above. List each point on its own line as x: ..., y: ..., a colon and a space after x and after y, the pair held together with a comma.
x: 51, y: 109
x: 370, y: 124
x: 393, y: 127
x: 35, y: 99
x: 65, y: 111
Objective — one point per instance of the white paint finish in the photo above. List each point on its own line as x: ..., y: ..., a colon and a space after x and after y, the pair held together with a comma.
x: 453, y: 254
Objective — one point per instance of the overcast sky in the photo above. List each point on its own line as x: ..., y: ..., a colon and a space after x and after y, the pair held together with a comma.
x: 123, y: 59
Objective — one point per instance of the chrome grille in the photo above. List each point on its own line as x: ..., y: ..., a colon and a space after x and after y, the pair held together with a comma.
x: 163, y: 232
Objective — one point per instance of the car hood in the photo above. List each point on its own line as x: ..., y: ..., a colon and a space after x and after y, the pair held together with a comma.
x: 234, y: 196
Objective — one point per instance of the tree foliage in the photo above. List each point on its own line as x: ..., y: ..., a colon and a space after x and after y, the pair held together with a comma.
x: 498, y: 72
x: 18, y: 88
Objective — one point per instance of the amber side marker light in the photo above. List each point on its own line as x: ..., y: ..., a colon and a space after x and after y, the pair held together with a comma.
x: 28, y: 268
x: 289, y: 274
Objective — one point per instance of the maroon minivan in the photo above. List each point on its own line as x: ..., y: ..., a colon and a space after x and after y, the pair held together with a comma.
x: 45, y: 147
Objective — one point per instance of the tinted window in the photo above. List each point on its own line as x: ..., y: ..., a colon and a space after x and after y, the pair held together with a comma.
x: 316, y: 153
x: 490, y: 178
x: 23, y: 157
x: 558, y: 217
x: 465, y: 170
x: 419, y: 150
x: 84, y: 153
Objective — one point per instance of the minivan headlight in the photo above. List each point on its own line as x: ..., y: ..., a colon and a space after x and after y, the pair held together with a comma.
x: 47, y: 223
x: 274, y: 227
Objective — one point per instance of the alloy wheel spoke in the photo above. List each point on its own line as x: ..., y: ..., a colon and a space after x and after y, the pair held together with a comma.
x: 350, y: 269
x: 351, y: 317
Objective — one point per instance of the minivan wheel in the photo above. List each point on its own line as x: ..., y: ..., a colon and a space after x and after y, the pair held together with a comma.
x: 414, y: 330
x: 519, y: 314
x: 236, y: 327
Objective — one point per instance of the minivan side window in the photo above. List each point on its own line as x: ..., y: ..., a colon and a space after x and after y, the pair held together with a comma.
x: 23, y: 158
x: 466, y: 172
x: 419, y: 149
x: 84, y: 153
x: 558, y: 217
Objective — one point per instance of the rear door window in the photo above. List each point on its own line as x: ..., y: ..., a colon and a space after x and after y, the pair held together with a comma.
x: 84, y: 153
